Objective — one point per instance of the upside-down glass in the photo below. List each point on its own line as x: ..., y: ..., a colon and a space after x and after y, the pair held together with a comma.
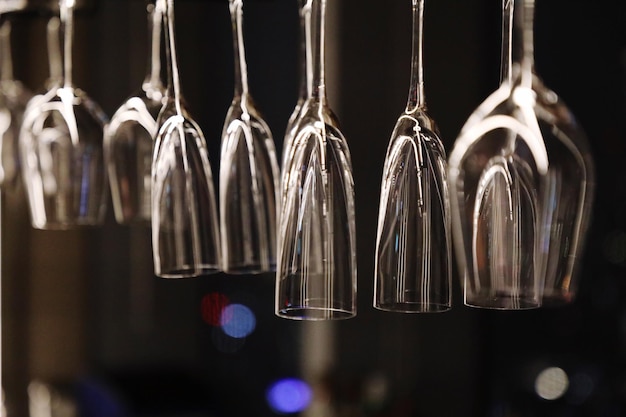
x: 61, y: 149
x: 572, y: 179
x: 521, y: 181
x: 185, y: 233
x: 14, y: 97
x: 316, y: 270
x: 413, y: 243
x: 248, y: 174
x: 129, y: 136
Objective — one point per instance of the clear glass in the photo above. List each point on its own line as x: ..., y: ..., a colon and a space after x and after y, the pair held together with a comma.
x: 129, y: 136
x: 316, y: 271
x: 248, y: 175
x: 61, y: 148
x: 521, y: 181
x: 571, y: 180
x: 413, y: 243
x: 185, y: 232
x: 14, y: 97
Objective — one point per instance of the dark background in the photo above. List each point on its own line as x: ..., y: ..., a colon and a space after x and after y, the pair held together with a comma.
x: 83, y: 312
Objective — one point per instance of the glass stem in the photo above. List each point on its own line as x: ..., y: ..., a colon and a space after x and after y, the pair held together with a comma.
x: 55, y: 61
x: 67, y: 23
x: 507, y: 39
x: 314, y: 12
x: 173, y: 77
x: 6, y: 58
x: 241, y: 68
x: 155, y: 19
x: 302, y: 93
x: 416, y: 91
x: 523, y: 39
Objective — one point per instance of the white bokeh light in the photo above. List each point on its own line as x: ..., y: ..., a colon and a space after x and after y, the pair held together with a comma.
x: 551, y: 383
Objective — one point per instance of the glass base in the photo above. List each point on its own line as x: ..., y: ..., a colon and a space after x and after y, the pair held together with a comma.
x: 412, y: 307
x: 314, y: 313
x: 249, y: 269
x: 189, y: 271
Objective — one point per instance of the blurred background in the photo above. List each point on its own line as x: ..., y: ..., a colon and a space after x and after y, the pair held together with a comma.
x: 88, y: 330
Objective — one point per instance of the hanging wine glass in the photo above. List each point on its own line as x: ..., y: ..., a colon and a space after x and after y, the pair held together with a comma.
x: 61, y: 149
x: 185, y: 237
x: 571, y: 178
x: 129, y: 136
x: 413, y: 243
x: 522, y: 181
x: 14, y: 97
x: 248, y: 174
x: 316, y: 270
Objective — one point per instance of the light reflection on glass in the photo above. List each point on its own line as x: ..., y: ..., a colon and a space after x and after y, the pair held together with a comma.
x: 289, y: 395
x: 237, y: 321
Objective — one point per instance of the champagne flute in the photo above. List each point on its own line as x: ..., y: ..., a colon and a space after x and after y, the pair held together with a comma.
x: 129, y: 136
x: 14, y: 97
x: 522, y: 181
x: 316, y: 269
x: 413, y: 242
x: 248, y: 174
x: 61, y: 149
x: 185, y: 234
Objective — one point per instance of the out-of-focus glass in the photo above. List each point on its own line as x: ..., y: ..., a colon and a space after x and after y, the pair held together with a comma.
x: 129, y: 136
x: 521, y: 181
x: 185, y: 233
x: 13, y: 99
x: 248, y: 175
x: 571, y: 185
x: 61, y: 148
x: 316, y: 271
x: 413, y: 243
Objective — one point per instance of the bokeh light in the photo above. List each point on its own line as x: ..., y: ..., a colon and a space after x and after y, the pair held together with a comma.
x: 289, y: 395
x: 551, y: 383
x: 237, y: 321
x: 212, y: 306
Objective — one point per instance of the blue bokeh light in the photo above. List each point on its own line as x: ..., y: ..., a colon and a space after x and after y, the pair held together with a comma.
x: 289, y: 395
x: 237, y: 321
